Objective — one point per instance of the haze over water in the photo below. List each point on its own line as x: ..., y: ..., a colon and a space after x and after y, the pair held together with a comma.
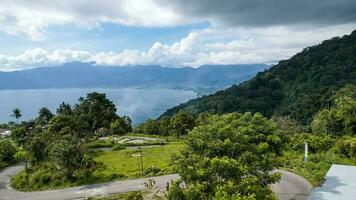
x: 138, y: 103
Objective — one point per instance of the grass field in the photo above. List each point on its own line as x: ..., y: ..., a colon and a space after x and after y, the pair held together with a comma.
x: 126, y: 163
x: 122, y: 164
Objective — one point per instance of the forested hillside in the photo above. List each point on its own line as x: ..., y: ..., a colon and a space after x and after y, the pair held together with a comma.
x: 298, y: 87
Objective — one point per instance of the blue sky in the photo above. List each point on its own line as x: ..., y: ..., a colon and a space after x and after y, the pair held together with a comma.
x: 169, y: 33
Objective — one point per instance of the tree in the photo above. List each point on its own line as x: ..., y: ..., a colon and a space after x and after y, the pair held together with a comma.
x: 341, y: 118
x: 121, y: 126
x: 64, y: 109
x: 7, y: 151
x: 231, y: 155
x: 16, y: 113
x: 182, y: 123
x: 96, y: 110
x: 19, y: 135
x: 44, y: 115
x: 37, y: 149
x: 67, y: 154
x: 61, y: 125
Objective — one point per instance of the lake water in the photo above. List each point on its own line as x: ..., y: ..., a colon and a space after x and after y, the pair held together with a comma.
x: 139, y: 104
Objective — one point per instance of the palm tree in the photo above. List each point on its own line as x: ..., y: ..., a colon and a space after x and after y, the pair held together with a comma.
x: 16, y: 113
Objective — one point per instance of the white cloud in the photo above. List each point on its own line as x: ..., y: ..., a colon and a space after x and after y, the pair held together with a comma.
x: 208, y: 46
x: 34, y: 17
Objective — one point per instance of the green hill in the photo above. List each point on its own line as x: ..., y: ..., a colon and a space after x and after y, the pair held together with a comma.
x: 299, y: 86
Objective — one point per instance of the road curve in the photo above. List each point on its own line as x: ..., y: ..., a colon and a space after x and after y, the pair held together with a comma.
x: 291, y: 187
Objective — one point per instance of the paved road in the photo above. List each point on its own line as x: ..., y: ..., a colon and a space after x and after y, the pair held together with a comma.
x: 291, y: 187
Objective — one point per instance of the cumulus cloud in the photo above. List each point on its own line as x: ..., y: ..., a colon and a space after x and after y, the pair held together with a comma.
x: 208, y: 46
x: 34, y: 17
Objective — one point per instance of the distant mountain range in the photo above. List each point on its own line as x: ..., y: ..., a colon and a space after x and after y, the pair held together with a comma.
x: 298, y: 87
x: 79, y: 74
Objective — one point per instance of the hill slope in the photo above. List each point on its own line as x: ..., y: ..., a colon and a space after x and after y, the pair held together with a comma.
x: 88, y: 75
x: 298, y: 87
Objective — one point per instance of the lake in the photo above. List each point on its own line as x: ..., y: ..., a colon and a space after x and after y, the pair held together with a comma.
x: 138, y: 103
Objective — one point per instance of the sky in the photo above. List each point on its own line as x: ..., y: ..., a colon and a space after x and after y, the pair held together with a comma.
x: 175, y: 33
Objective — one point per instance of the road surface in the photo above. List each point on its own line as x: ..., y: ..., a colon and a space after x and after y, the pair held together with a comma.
x: 291, y: 187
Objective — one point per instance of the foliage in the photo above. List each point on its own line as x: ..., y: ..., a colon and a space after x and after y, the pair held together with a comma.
x: 178, y: 125
x: 96, y: 111
x: 109, y: 166
x: 64, y: 109
x: 182, y: 123
x: 121, y: 126
x: 68, y: 155
x: 341, y: 118
x: 299, y: 87
x: 317, y: 166
x: 7, y: 151
x: 101, y: 144
x: 16, y: 113
x: 19, y: 135
x: 232, y: 153
x: 346, y: 146
x: 44, y: 115
x: 316, y: 143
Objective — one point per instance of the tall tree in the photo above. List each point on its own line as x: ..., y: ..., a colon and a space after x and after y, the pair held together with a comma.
x: 44, y: 115
x: 16, y: 113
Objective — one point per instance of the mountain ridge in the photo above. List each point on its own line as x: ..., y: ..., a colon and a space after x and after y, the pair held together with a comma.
x: 78, y: 74
x: 298, y: 87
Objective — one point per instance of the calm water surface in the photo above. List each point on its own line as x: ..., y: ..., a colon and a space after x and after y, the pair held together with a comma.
x: 139, y: 104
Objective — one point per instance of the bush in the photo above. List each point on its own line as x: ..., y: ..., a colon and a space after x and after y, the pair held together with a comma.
x: 151, y: 171
x: 346, y: 146
x: 7, y: 151
x: 118, y: 147
x: 101, y: 144
x: 316, y: 143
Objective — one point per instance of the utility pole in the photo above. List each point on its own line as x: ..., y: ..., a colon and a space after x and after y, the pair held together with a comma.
x: 305, y: 151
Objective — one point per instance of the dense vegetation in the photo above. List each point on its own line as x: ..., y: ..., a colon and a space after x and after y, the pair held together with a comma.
x: 298, y: 87
x: 230, y: 156
x: 58, y: 141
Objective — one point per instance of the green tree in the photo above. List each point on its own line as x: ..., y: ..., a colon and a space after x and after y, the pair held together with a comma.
x: 44, y: 115
x: 37, y: 149
x: 182, y: 123
x: 61, y: 125
x: 96, y: 110
x: 19, y: 135
x: 16, y: 113
x: 231, y: 155
x: 7, y: 151
x: 67, y: 154
x: 64, y: 109
x: 121, y: 126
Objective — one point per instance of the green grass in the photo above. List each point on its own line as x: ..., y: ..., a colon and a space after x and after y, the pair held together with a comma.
x: 125, y: 163
x: 115, y: 165
x: 317, y: 166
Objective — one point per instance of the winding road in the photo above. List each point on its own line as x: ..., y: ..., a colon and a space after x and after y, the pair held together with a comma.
x: 291, y: 187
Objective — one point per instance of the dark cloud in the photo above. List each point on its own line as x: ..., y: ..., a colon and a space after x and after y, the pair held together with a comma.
x: 268, y: 12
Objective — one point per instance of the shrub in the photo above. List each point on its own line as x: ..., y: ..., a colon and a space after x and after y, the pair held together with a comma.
x: 346, y: 146
x: 7, y: 151
x: 118, y: 147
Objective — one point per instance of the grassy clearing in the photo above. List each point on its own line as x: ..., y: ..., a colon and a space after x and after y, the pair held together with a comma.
x: 126, y: 163
x: 115, y: 165
x: 317, y: 166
